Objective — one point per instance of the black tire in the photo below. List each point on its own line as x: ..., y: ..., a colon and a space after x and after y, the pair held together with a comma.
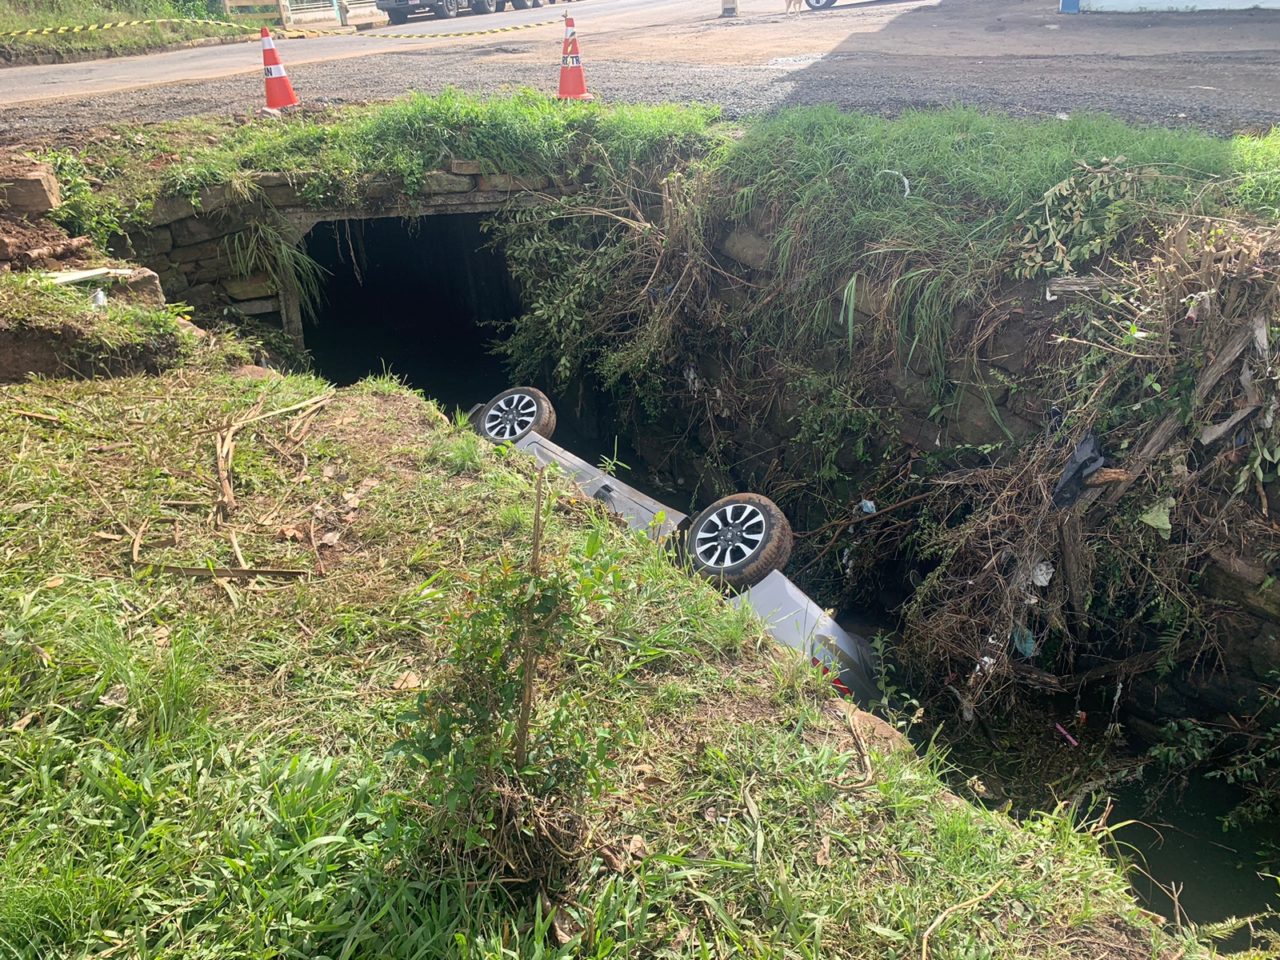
x: 398, y: 18
x: 535, y: 3
x: 739, y: 540
x: 446, y: 9
x: 819, y: 4
x: 500, y: 5
x: 514, y: 414
x: 482, y: 6
x: 520, y: 4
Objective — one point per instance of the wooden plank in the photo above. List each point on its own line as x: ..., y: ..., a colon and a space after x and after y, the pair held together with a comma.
x: 63, y: 277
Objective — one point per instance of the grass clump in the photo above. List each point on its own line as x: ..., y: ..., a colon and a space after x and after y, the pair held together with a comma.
x: 911, y: 219
x: 199, y: 764
x: 58, y: 329
x: 334, y: 156
x: 38, y: 14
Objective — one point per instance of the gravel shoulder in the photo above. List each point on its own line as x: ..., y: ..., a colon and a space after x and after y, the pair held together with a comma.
x: 1135, y: 91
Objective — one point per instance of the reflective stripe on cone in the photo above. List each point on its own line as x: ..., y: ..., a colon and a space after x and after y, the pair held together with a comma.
x: 573, y: 81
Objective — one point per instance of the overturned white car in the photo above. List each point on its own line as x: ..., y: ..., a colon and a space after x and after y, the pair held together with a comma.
x: 742, y: 541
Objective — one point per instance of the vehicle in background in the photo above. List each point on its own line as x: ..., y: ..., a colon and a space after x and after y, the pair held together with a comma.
x: 399, y: 11
x: 741, y: 542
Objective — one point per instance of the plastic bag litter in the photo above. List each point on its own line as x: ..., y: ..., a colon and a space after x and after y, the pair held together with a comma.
x: 1086, y: 460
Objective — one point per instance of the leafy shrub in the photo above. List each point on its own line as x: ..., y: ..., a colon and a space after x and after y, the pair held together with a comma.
x: 505, y: 794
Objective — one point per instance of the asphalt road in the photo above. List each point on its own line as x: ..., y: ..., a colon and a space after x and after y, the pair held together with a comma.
x: 1219, y: 71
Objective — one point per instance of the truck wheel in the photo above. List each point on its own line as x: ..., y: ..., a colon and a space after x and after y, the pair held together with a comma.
x: 739, y: 540
x: 482, y: 6
x: 398, y: 17
x: 514, y: 414
x: 520, y: 4
x: 447, y: 9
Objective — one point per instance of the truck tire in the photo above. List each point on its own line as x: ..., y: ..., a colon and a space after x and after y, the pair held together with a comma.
x: 520, y: 4
x: 500, y: 5
x: 482, y: 6
x: 739, y: 540
x: 446, y: 9
x: 398, y: 17
x: 514, y: 414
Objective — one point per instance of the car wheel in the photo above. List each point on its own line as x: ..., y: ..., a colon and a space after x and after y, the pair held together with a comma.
x: 739, y: 540
x: 398, y: 17
x: 819, y: 4
x: 514, y: 414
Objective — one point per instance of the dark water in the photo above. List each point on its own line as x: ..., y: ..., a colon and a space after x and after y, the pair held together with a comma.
x: 1192, y: 866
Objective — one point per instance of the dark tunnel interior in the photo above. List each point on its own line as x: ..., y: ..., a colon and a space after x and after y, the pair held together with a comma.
x: 421, y: 299
x: 415, y: 298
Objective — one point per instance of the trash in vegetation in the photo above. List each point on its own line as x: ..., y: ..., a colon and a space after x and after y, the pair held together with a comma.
x: 1042, y: 573
x: 1156, y: 517
x: 867, y: 506
x: 99, y: 299
x: 1085, y: 461
x: 1024, y: 641
x: 1066, y: 736
x: 1053, y: 421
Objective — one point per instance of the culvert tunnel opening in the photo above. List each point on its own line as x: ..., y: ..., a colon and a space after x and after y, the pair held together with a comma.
x: 417, y: 298
x: 424, y: 299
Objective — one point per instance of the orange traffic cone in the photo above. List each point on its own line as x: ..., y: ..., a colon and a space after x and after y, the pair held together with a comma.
x: 573, y: 82
x: 279, y: 89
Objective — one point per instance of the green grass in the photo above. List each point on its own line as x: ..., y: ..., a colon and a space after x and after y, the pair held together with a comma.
x: 201, y: 770
x: 333, y: 156
x: 880, y: 231
x: 38, y: 14
x: 122, y: 335
x: 833, y: 186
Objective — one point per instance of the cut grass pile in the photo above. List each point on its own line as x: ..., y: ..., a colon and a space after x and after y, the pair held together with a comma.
x: 198, y: 766
x: 120, y: 41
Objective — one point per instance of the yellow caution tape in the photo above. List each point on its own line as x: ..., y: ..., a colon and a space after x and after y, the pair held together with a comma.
x: 95, y: 27
x: 292, y: 34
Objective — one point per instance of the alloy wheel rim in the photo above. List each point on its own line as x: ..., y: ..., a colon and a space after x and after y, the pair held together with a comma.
x: 511, y: 416
x: 729, y: 536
